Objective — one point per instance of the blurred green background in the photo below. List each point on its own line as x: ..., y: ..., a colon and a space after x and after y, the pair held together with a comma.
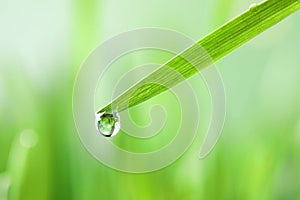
x: 42, y: 46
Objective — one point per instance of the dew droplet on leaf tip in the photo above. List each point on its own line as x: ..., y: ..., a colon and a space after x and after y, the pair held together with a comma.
x: 108, y: 124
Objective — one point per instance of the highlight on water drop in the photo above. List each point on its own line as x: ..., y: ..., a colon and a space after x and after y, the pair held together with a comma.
x: 252, y: 7
x: 108, y: 123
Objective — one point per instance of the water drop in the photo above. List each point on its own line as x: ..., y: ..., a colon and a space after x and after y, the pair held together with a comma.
x: 108, y: 124
x: 253, y: 6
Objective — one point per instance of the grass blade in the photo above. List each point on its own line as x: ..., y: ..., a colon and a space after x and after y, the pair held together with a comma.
x: 216, y: 45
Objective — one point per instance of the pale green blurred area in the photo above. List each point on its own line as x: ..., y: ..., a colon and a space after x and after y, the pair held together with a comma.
x: 42, y: 46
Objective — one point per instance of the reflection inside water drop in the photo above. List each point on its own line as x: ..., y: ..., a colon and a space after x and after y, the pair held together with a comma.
x: 108, y: 124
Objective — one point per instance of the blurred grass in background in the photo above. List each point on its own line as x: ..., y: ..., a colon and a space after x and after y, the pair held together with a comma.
x: 42, y: 47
